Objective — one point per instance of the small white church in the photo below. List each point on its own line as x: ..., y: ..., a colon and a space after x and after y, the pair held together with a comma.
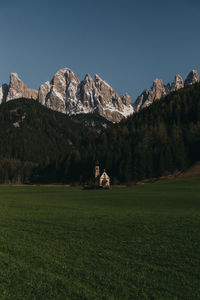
x: 102, y: 180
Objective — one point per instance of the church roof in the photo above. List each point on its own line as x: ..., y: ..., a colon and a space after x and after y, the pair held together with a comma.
x: 104, y: 174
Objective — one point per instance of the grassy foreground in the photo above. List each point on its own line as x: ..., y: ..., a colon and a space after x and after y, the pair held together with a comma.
x: 141, y: 242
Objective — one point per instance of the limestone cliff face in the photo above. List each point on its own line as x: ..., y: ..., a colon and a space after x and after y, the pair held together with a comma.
x: 17, y: 89
x: 67, y: 94
x: 109, y: 104
x: 159, y: 90
x: 62, y: 87
x: 43, y: 92
x: 177, y: 84
x: 156, y: 92
x: 192, y: 78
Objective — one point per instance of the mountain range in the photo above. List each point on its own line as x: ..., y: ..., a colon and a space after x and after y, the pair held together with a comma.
x: 67, y: 94
x: 38, y: 144
x: 158, y: 90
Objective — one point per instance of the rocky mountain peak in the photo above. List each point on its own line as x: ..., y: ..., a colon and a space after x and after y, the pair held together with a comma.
x: 156, y: 92
x: 88, y: 79
x: 177, y: 84
x: 17, y: 89
x: 64, y: 77
x: 66, y: 93
x: 159, y: 90
x: 58, y: 93
x: 14, y: 78
x: 97, y: 78
x: 192, y: 78
x: 101, y: 84
x: 126, y: 99
x: 43, y: 93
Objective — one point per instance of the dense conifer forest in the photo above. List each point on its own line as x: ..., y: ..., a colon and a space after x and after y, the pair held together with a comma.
x: 38, y: 145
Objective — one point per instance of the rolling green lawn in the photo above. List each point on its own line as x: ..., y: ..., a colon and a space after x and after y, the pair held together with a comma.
x: 141, y: 242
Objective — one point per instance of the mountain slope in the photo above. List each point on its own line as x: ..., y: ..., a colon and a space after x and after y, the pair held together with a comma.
x: 95, y: 121
x: 67, y: 94
x: 40, y: 145
x: 49, y: 141
x: 158, y: 140
x: 158, y: 90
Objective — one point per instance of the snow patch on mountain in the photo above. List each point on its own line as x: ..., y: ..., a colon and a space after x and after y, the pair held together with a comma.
x: 67, y: 94
x: 86, y: 96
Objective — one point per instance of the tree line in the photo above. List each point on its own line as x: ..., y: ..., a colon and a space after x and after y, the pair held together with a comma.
x: 47, y: 146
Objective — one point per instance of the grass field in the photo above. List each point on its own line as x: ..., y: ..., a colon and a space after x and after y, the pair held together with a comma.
x: 141, y: 242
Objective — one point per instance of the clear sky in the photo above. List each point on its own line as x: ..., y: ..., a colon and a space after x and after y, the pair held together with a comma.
x: 127, y: 42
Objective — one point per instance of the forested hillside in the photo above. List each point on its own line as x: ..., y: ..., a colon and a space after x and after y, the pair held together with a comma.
x: 38, y: 144
x: 160, y: 139
x: 41, y: 145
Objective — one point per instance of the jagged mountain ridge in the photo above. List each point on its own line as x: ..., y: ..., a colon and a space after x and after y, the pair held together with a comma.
x: 41, y: 145
x: 67, y: 94
x: 158, y: 90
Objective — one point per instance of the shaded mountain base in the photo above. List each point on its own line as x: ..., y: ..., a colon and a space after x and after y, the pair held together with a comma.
x: 43, y: 146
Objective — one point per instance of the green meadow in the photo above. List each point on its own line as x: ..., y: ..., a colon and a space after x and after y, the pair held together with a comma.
x: 140, y: 242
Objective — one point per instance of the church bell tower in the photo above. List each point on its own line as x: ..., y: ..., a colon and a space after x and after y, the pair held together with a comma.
x: 97, y: 171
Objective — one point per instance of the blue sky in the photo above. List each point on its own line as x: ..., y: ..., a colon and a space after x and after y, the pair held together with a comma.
x: 128, y: 43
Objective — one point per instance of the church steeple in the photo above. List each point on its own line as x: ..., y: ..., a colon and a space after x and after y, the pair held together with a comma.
x: 97, y: 171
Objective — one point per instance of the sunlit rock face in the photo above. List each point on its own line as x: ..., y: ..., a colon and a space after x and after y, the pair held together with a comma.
x: 158, y: 90
x: 67, y: 94
x: 177, y: 84
x: 192, y: 78
x: 17, y: 89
